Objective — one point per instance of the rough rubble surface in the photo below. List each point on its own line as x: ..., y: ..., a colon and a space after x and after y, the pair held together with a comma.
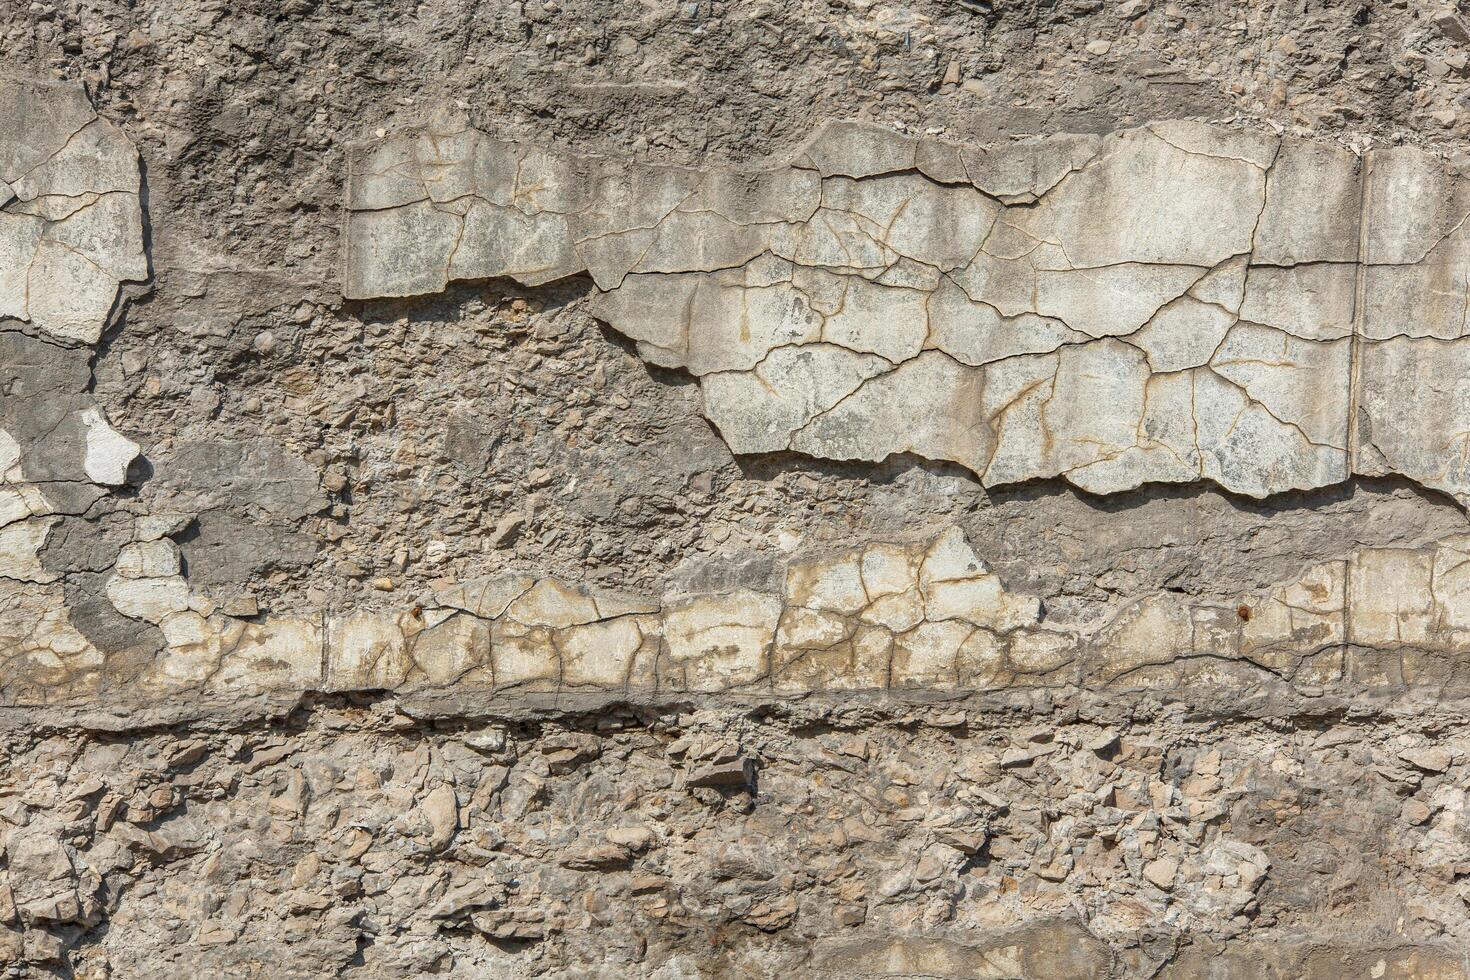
x: 950, y: 489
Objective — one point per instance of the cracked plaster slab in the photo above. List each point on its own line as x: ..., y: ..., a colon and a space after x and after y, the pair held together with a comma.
x: 1171, y: 303
x: 71, y: 222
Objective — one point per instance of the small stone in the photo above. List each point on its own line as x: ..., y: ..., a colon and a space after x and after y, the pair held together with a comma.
x: 724, y: 750
x: 1019, y: 758
x: 1340, y: 735
x: 1099, y: 47
x: 489, y: 741
x: 566, y: 751
x: 441, y: 809
x: 599, y: 857
x: 1104, y: 743
x: 644, y: 883
x: 740, y: 772
x: 1057, y: 870
x: 1452, y: 25
x: 1429, y: 758
x: 1416, y: 812
x: 241, y: 607
x: 633, y: 838
x: 382, y: 583
x: 507, y: 529
x: 160, y: 525
x: 108, y: 452
x: 1161, y: 871
x: 773, y: 914
x: 264, y: 342
x: 965, y: 841
x: 213, y: 934
x: 559, y: 761
x: 267, y: 757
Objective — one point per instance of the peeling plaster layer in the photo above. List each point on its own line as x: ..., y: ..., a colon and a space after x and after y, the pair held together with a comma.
x: 71, y: 225
x: 925, y: 616
x: 1172, y: 303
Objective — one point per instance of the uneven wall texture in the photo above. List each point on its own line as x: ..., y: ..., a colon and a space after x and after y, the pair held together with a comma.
x: 847, y: 489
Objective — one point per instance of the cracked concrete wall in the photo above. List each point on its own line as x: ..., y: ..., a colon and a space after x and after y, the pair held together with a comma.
x: 835, y: 489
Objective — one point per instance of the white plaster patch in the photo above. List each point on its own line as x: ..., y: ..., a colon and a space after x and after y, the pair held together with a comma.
x: 109, y: 452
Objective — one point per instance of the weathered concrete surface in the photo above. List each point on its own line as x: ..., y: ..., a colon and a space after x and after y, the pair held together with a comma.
x: 438, y: 633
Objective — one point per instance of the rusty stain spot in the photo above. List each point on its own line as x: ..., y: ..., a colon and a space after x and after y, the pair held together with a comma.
x: 1244, y: 612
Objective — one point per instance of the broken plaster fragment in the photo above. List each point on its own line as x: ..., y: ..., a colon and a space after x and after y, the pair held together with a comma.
x: 109, y: 453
